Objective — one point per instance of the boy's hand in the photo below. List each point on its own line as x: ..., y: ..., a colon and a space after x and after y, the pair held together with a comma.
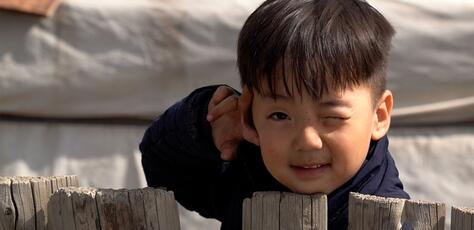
x: 224, y: 116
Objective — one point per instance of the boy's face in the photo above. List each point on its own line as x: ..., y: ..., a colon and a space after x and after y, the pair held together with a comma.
x: 315, y: 146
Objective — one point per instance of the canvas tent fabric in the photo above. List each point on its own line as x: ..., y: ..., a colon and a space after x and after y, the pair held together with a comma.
x: 132, y: 59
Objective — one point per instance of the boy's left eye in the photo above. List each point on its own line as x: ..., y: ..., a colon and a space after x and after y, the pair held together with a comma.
x: 336, y: 118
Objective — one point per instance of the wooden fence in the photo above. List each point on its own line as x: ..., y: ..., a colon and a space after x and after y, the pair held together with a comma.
x: 38, y: 203
x: 55, y: 203
x: 24, y: 200
x: 274, y: 210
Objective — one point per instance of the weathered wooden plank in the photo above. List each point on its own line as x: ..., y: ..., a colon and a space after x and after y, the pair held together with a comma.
x: 271, y: 210
x: 84, y: 207
x: 291, y: 211
x: 297, y: 210
x: 368, y: 209
x: 284, y: 211
x: 161, y: 209
x: 247, y: 214
x: 396, y: 212
x: 356, y: 202
x: 440, y: 209
x: 106, y: 209
x: 319, y: 212
x: 372, y: 212
x: 41, y: 193
x: 151, y: 213
x: 307, y: 213
x: 23, y: 198
x: 54, y: 184
x: 275, y: 210
x: 123, y: 211
x: 167, y: 210
x: 7, y: 208
x: 67, y: 213
x: 62, y: 181
x: 454, y: 218
x: 138, y: 209
x: 54, y: 213
x: 60, y: 211
x: 462, y: 218
x: 173, y: 214
x: 424, y: 215
x: 257, y: 211
x: 72, y: 181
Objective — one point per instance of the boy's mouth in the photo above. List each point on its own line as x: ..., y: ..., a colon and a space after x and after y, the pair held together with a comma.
x: 311, y: 166
x: 309, y: 171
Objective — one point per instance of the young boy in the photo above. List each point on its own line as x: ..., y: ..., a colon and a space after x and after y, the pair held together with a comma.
x: 312, y: 116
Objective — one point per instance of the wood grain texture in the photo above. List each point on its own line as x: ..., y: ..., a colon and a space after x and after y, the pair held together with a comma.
x: 151, y: 213
x: 84, y: 206
x: 271, y: 210
x: 462, y: 218
x: 319, y: 212
x: 172, y: 211
x: 106, y: 209
x: 137, y: 206
x: 257, y: 211
x: 60, y: 210
x: 123, y: 211
x: 7, y: 208
x: 425, y: 215
x: 72, y: 181
x: 23, y: 199
x: 247, y: 214
x: 167, y: 210
x: 284, y: 210
x: 372, y: 212
x: 41, y: 194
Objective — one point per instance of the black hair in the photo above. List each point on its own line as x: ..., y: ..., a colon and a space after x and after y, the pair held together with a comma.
x: 316, y: 45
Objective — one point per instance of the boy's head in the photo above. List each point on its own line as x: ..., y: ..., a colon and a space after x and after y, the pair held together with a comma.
x: 313, y: 73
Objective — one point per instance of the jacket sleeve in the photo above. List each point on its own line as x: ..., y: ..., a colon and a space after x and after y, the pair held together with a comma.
x: 178, y: 153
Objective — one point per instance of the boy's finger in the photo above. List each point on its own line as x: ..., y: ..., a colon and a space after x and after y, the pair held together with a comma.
x: 229, y: 104
x: 220, y: 94
x: 229, y: 151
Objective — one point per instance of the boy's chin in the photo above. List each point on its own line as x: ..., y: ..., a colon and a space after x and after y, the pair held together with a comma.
x: 307, y: 190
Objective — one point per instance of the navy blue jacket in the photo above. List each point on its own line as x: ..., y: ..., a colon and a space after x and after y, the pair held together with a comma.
x: 178, y: 153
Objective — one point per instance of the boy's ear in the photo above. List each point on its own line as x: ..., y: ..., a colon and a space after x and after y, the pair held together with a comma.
x: 382, y: 115
x: 249, y: 132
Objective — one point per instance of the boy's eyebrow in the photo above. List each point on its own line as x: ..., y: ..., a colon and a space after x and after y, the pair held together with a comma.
x: 331, y: 102
x: 277, y: 96
x: 334, y: 103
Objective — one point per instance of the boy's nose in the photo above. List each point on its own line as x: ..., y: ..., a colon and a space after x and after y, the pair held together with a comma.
x: 309, y: 139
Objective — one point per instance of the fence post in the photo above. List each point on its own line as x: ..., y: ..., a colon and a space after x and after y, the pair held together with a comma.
x: 79, y: 208
x: 462, y: 218
x: 425, y: 215
x: 368, y: 212
x: 23, y: 200
x: 7, y: 209
x: 275, y: 210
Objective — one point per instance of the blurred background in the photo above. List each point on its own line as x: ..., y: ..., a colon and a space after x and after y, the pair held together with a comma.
x: 78, y: 87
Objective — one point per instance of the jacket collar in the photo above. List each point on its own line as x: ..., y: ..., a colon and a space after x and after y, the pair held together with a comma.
x: 377, y: 176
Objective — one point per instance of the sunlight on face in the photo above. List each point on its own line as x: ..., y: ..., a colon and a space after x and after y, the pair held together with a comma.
x: 314, y: 146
